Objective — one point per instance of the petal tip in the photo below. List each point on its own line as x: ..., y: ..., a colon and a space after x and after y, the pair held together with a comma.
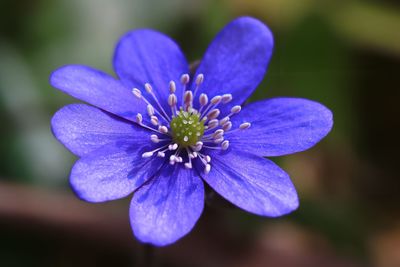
x: 247, y: 21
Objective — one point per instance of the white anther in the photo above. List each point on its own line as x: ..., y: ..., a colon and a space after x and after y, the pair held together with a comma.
x: 226, y: 98
x: 137, y: 93
x: 160, y: 154
x: 194, y: 154
x: 147, y: 154
x: 139, y: 118
x: 245, y: 126
x: 148, y: 88
x: 163, y: 129
x: 216, y: 99
x: 173, y: 146
x: 207, y: 168
x: 188, y: 97
x: 150, y: 110
x: 236, y: 109
x: 208, y: 158
x: 219, y: 131
x: 179, y: 159
x: 199, y: 79
x: 172, y: 100
x: 212, y: 124
x: 185, y: 78
x: 172, y: 87
x: 203, y: 99
x: 154, y: 138
x: 154, y: 120
x: 172, y: 159
x: 213, y: 114
x: 198, y: 146
x: 217, y: 135
x: 188, y: 165
x: 191, y: 156
x: 219, y: 140
x: 185, y: 138
x: 224, y: 120
x: 225, y: 145
x: 227, y: 126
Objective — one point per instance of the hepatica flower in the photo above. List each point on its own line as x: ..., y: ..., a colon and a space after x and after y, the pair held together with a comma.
x: 159, y: 133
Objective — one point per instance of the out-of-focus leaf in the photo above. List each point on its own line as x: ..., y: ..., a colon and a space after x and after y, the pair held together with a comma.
x: 369, y: 25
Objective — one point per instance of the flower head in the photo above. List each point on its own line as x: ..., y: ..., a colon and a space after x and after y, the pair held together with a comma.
x: 159, y: 133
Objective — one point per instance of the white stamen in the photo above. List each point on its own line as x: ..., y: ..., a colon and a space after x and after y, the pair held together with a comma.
x: 224, y: 120
x: 154, y: 120
x: 207, y: 169
x: 154, y: 138
x: 139, y: 118
x: 226, y: 98
x: 245, y: 126
x: 147, y: 154
x: 137, y: 93
x: 225, y: 145
x: 172, y: 87
x: 212, y: 124
x: 160, y: 154
x: 198, y: 146
x: 216, y: 99
x: 219, y: 131
x: 185, y: 138
x: 172, y: 146
x: 172, y: 100
x: 217, y: 135
x: 236, y: 109
x: 188, y: 165
x: 150, y: 110
x: 199, y: 79
x: 163, y: 129
x: 213, y: 114
x: 208, y: 158
x: 227, y: 126
x: 219, y: 140
x: 203, y: 99
x: 188, y: 98
x: 148, y: 88
x: 185, y: 78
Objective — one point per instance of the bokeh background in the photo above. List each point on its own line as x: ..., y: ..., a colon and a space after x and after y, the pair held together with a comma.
x: 345, y: 54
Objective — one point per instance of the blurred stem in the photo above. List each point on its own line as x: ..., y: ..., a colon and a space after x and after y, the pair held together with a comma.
x: 147, y: 256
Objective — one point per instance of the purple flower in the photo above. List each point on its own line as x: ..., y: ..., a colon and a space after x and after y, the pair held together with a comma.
x: 158, y: 133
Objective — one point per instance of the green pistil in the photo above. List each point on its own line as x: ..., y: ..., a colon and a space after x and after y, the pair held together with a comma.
x: 187, y: 128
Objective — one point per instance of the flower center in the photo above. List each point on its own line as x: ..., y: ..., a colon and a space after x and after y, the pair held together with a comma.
x: 193, y: 129
x: 187, y: 128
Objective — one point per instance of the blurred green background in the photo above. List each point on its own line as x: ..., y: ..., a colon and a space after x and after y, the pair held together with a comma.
x: 344, y: 54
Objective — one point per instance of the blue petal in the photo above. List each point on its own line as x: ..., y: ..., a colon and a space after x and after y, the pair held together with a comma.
x: 147, y: 56
x: 236, y: 60
x: 97, y: 88
x: 281, y: 126
x: 113, y: 171
x: 83, y: 129
x: 252, y: 183
x: 167, y: 208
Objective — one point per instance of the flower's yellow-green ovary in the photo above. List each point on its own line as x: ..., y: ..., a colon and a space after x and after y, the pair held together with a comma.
x: 187, y: 128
